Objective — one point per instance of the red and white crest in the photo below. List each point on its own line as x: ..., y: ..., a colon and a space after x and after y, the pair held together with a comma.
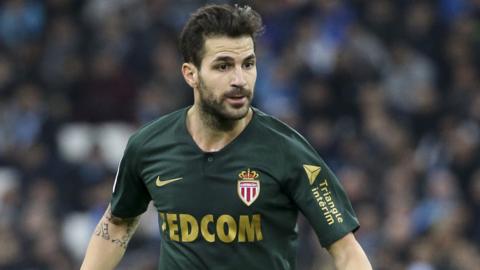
x: 248, y: 186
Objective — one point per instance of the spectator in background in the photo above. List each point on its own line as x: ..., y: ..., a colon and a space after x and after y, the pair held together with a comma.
x: 346, y: 100
x: 102, y: 95
x: 21, y: 21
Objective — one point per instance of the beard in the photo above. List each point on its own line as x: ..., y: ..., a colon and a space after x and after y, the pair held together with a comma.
x: 216, y: 109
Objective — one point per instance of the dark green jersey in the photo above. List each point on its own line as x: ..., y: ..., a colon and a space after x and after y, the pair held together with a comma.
x: 232, y: 209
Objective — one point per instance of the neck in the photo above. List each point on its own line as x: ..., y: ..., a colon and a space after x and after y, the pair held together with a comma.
x: 216, y: 124
x: 210, y: 133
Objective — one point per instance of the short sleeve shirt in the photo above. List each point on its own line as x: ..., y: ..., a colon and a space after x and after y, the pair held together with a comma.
x: 232, y: 209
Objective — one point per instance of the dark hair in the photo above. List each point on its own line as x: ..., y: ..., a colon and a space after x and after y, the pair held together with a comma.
x: 217, y: 20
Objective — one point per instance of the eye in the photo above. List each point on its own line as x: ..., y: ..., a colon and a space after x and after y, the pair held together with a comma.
x: 249, y: 65
x: 222, y: 67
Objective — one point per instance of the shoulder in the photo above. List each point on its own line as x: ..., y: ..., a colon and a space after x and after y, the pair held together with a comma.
x: 157, y: 129
x: 280, y: 133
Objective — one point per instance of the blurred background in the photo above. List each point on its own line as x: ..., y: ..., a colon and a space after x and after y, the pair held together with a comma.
x: 386, y: 91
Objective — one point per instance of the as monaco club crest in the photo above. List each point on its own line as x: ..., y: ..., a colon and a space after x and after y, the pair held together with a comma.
x: 248, y: 186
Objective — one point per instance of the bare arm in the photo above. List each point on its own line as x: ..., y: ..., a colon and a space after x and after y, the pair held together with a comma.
x: 348, y: 254
x: 109, y: 241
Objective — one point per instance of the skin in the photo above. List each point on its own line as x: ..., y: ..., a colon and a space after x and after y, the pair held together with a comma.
x: 109, y: 241
x: 223, y: 90
x: 223, y: 87
x: 347, y: 254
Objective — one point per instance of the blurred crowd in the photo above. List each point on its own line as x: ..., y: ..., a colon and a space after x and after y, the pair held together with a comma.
x: 386, y: 91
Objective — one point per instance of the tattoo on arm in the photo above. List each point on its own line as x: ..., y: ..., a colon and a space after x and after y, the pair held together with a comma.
x: 103, y: 226
x: 102, y: 230
x: 123, y: 242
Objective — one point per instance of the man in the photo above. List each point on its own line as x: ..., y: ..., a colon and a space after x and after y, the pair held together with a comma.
x: 227, y: 180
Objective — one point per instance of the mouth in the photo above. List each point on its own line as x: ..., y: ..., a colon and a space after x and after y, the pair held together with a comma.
x: 237, y: 97
x: 237, y: 101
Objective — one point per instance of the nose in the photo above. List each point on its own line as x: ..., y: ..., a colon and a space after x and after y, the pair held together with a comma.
x: 238, y: 79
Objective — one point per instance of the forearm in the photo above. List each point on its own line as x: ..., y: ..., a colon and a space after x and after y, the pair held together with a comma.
x: 102, y: 254
x: 349, y: 255
x: 108, y: 242
x: 355, y: 261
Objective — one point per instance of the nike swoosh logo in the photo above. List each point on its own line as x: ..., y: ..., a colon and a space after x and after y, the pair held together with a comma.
x: 161, y: 183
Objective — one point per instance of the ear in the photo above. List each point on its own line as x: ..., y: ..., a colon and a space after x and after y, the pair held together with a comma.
x: 190, y: 74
